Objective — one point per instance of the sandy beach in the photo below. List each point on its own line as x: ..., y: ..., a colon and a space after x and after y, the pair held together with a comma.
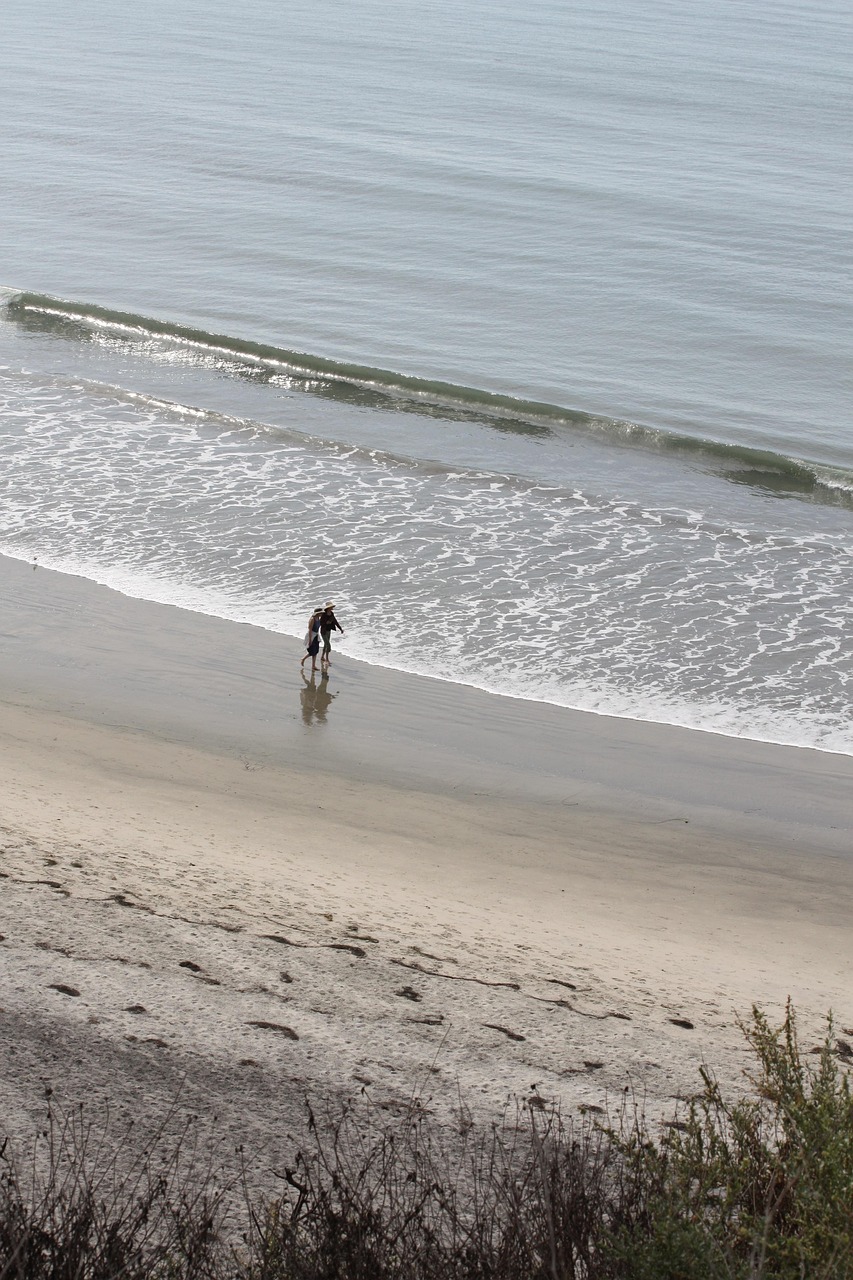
x: 226, y: 884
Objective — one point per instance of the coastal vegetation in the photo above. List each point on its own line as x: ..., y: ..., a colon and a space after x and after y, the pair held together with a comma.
x: 756, y: 1187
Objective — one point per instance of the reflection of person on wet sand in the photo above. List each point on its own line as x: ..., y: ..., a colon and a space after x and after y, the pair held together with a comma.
x: 315, y: 698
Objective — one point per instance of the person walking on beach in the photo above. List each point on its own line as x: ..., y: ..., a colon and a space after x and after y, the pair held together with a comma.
x: 312, y: 639
x: 328, y: 624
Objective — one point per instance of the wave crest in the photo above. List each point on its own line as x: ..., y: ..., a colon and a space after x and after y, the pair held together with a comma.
x: 763, y: 469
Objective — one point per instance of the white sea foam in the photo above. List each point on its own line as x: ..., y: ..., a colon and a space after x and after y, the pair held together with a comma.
x: 519, y: 588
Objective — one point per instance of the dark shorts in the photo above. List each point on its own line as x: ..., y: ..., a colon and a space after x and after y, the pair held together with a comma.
x: 314, y: 646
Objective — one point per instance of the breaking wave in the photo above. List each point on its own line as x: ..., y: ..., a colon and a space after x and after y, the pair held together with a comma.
x: 374, y: 387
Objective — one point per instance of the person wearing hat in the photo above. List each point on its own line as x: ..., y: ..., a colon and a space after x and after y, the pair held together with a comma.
x: 328, y: 624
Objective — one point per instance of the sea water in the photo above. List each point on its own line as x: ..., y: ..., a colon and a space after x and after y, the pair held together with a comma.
x: 522, y: 333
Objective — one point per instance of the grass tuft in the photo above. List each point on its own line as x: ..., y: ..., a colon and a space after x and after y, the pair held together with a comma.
x: 759, y: 1188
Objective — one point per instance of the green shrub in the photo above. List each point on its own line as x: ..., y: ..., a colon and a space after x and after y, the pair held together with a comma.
x: 762, y: 1187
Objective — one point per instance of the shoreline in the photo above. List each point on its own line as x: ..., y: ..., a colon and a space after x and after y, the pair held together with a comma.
x: 531, y: 890
x: 143, y: 654
x: 406, y: 673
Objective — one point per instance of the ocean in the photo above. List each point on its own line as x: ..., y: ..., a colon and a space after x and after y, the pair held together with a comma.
x: 523, y: 334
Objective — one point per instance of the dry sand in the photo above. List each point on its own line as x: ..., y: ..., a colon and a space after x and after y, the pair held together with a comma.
x: 221, y: 884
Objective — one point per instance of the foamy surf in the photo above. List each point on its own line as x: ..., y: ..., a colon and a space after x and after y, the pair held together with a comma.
x: 526, y: 589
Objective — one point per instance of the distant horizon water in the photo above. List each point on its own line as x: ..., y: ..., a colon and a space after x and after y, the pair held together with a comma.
x: 525, y: 335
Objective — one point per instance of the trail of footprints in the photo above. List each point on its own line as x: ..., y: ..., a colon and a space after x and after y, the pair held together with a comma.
x: 424, y: 976
x: 427, y: 969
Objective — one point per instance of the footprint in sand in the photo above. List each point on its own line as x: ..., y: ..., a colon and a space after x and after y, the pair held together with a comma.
x: 51, y: 884
x: 61, y: 987
x: 288, y: 1032
x: 511, y: 1035
x: 428, y: 956
x: 409, y: 993
x: 123, y: 901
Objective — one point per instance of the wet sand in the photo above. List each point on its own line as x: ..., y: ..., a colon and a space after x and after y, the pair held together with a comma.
x: 224, y: 881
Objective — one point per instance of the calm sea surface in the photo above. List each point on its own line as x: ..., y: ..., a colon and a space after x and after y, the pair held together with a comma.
x: 522, y: 332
